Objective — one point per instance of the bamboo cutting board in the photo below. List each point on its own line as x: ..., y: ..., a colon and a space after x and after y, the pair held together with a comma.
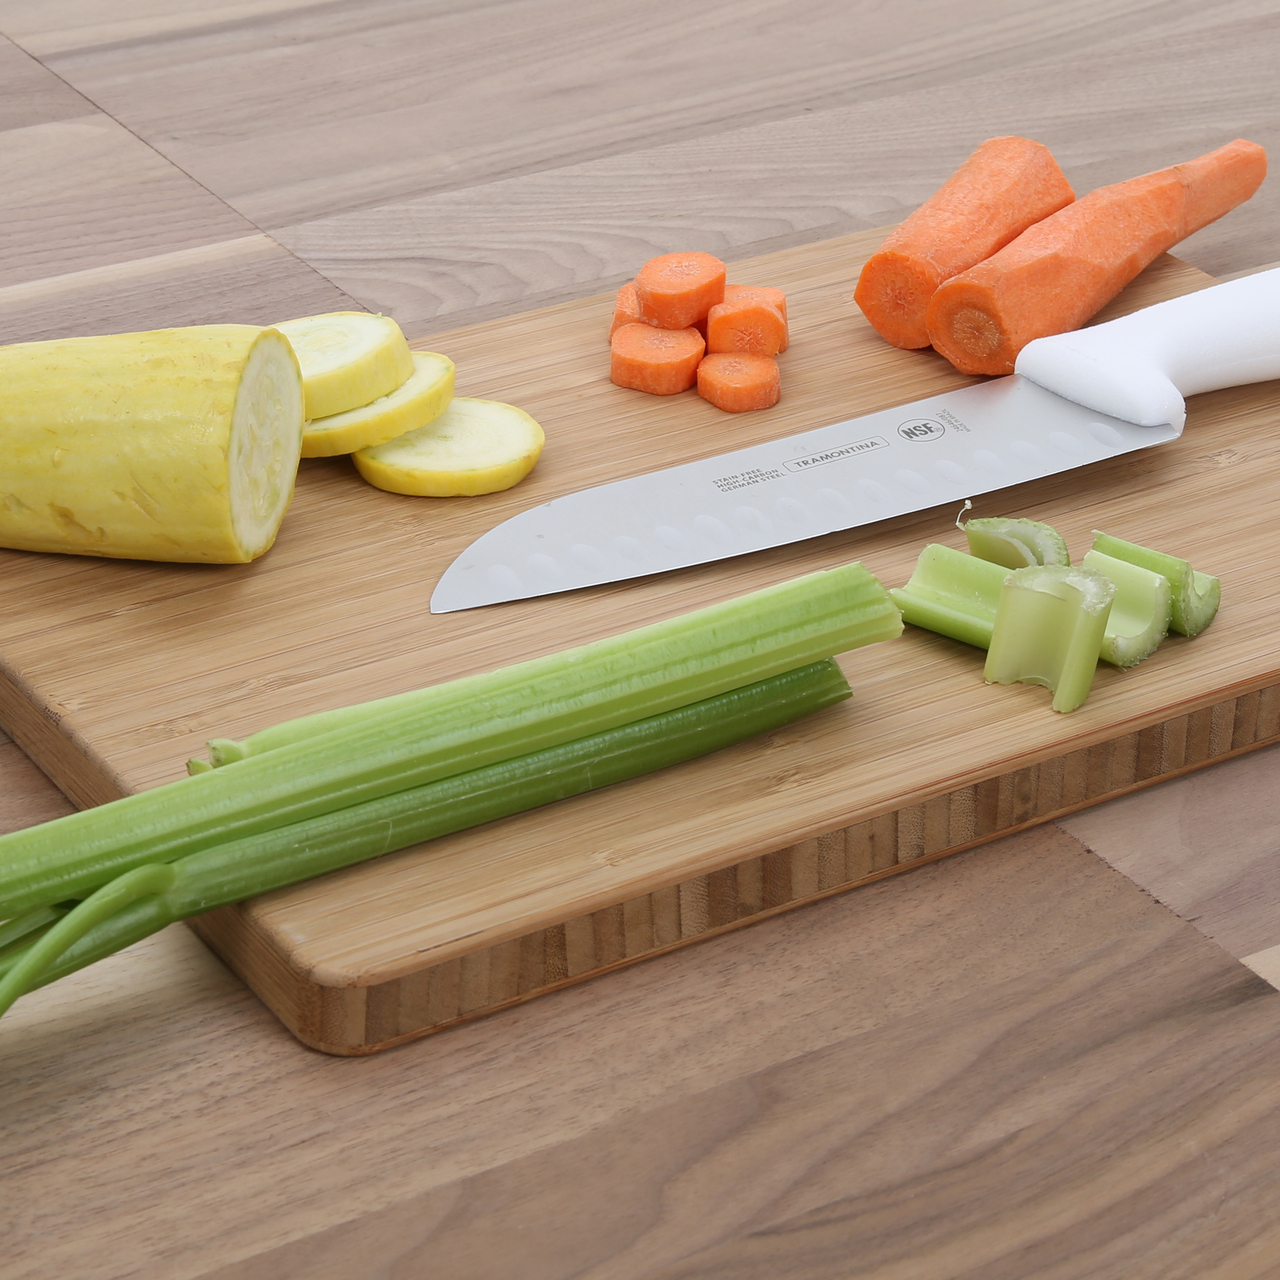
x: 113, y: 673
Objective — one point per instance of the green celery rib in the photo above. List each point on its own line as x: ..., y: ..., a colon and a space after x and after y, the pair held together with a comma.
x: 242, y: 868
x: 952, y: 593
x: 1196, y: 596
x: 1140, y: 613
x: 452, y: 728
x: 1049, y: 631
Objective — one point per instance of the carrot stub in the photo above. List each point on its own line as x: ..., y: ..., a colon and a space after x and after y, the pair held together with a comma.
x: 659, y: 361
x: 676, y: 290
x: 1004, y: 187
x: 1060, y: 272
x: 737, y: 382
x: 746, y: 324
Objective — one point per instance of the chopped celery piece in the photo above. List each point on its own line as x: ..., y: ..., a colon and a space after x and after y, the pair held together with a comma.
x: 1140, y: 613
x: 1049, y: 629
x: 1195, y: 595
x: 333, y: 761
x: 145, y: 899
x: 1015, y: 543
x: 953, y: 593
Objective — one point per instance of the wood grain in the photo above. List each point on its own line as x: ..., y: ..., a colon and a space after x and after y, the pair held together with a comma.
x: 565, y: 231
x: 285, y: 947
x: 248, y: 280
x: 970, y: 1061
x: 1205, y: 849
x: 155, y: 1119
x: 31, y: 94
x: 60, y: 173
x: 511, y: 100
x: 366, y: 957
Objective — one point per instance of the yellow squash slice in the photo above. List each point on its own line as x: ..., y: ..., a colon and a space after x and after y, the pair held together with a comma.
x: 412, y: 404
x: 348, y: 359
x: 177, y: 444
x: 473, y: 447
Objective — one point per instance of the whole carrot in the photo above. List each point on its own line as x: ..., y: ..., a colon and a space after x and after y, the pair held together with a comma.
x: 1060, y: 272
x: 1005, y: 186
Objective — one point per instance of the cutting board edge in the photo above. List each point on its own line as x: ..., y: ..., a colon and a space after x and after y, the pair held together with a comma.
x: 52, y: 742
x: 356, y: 1020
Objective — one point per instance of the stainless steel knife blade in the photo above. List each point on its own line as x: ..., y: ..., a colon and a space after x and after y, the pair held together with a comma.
x: 943, y: 449
x: 857, y: 472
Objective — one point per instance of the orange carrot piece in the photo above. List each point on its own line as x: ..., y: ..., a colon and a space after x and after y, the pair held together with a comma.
x: 767, y: 293
x: 677, y: 290
x: 1004, y: 187
x: 659, y: 361
x: 626, y: 309
x: 1060, y: 272
x: 747, y: 324
x: 736, y: 381
x: 775, y: 297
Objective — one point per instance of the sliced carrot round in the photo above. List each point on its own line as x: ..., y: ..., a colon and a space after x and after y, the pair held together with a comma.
x: 746, y: 324
x: 659, y: 361
x: 762, y: 293
x: 737, y: 382
x: 676, y: 290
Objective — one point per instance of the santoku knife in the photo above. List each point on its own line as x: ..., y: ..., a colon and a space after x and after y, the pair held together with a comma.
x: 1073, y: 399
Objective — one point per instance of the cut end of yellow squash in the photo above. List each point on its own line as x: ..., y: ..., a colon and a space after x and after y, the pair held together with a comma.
x: 473, y: 447
x: 348, y: 359
x: 175, y: 444
x: 414, y: 403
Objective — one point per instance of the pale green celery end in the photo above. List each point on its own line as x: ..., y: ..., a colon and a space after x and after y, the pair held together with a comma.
x: 1000, y: 549
x: 537, y: 704
x: 195, y: 766
x: 226, y: 751
x: 1049, y: 630
x: 1015, y: 542
x: 1140, y: 614
x: 1199, y: 606
x: 952, y: 593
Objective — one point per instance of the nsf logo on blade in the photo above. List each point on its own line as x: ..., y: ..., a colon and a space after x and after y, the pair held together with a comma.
x: 921, y: 429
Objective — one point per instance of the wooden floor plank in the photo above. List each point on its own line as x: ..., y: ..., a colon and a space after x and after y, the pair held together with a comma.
x: 1031, y: 1076
x: 248, y: 280
x: 31, y: 94
x: 63, y: 174
x: 1207, y: 847
x: 444, y: 101
x: 468, y: 254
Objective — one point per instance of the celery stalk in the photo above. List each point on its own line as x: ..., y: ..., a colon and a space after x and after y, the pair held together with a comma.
x: 1196, y: 596
x: 1049, y: 629
x: 145, y: 899
x: 1015, y: 542
x: 952, y: 593
x: 452, y: 728
x: 1140, y: 613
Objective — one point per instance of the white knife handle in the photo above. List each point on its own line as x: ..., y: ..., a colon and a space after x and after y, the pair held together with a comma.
x: 1139, y: 368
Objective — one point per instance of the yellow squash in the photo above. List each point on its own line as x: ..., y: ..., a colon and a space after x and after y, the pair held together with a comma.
x: 177, y: 444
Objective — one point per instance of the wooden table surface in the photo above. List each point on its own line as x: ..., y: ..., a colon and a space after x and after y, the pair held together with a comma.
x: 971, y: 1070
